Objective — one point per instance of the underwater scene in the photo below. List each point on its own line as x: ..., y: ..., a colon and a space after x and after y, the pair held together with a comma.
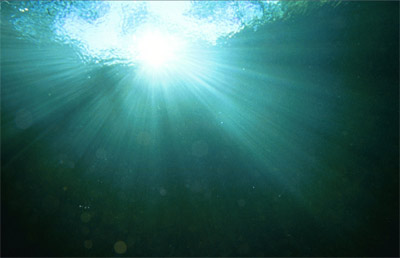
x: 199, y: 128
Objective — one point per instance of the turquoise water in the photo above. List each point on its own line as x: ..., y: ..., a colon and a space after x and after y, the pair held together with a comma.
x: 245, y: 128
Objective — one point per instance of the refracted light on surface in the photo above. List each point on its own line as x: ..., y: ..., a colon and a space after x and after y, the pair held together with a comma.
x: 102, y: 31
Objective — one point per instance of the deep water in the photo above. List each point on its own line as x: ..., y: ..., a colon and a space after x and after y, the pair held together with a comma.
x: 289, y: 146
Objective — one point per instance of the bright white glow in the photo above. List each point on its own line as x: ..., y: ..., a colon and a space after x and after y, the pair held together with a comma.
x: 150, y: 33
x: 157, y: 49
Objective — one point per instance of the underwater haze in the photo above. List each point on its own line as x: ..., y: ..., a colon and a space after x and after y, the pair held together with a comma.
x: 199, y: 128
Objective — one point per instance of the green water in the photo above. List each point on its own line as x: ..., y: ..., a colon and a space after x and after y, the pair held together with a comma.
x: 282, y: 140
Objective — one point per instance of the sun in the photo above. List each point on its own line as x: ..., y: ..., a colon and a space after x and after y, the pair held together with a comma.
x: 157, y: 49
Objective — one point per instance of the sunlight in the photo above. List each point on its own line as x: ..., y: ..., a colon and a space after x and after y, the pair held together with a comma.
x: 156, y: 49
